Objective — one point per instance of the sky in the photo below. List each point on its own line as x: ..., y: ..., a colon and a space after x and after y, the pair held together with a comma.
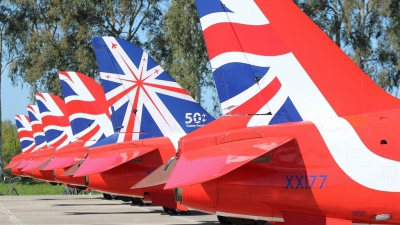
x: 13, y: 99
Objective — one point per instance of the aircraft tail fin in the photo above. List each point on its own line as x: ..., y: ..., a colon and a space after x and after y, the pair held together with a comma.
x: 37, y: 126
x: 26, y: 139
x: 25, y: 133
x: 145, y: 101
x: 87, y: 107
x: 266, y: 62
x: 55, y: 121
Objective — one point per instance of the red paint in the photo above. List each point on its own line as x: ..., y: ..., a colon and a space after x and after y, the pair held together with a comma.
x: 223, y: 37
x: 346, y: 87
x: 254, y: 104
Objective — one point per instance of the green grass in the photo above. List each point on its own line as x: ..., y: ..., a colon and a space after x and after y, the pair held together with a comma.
x: 33, y: 187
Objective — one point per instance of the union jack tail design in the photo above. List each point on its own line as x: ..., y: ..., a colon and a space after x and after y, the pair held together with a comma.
x: 54, y: 118
x: 87, y: 107
x: 25, y: 133
x: 37, y: 127
x: 263, y: 65
x: 145, y: 101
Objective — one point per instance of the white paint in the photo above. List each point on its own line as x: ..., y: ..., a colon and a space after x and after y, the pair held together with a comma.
x: 84, y: 95
x: 346, y: 147
x: 78, y: 87
x: 165, y: 121
x: 243, y: 12
x: 354, y: 158
x: 48, y: 101
x: 26, y: 126
x: 11, y: 216
x: 35, y: 112
x: 295, y: 83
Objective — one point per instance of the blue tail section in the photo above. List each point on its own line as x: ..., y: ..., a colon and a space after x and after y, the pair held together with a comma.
x: 144, y: 100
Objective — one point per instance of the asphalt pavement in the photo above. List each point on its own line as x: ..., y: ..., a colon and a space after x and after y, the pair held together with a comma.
x: 87, y: 209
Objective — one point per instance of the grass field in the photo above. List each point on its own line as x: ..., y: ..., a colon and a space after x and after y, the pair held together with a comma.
x: 33, y: 187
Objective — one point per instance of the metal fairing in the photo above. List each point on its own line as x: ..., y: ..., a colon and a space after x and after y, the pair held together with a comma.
x: 53, y: 113
x: 87, y: 108
x: 145, y: 101
x: 344, y: 127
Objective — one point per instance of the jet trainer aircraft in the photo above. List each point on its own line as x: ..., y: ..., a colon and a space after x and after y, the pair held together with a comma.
x: 310, y: 138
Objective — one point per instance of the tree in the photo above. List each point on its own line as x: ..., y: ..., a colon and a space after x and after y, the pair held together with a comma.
x: 177, y: 42
x: 389, y: 51
x: 8, y: 28
x: 11, y: 144
x: 125, y: 18
x: 362, y: 29
x: 59, y: 32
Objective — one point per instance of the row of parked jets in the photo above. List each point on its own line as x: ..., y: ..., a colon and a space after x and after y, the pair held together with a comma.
x: 306, y: 137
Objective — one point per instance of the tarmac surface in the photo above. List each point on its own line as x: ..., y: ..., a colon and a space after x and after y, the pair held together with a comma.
x: 87, y: 209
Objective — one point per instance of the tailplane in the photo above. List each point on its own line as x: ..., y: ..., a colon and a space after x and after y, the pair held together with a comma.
x: 265, y: 62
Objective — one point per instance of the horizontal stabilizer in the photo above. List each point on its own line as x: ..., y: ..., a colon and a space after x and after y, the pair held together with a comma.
x: 35, y: 163
x: 103, y: 161
x: 158, y: 176
x: 62, y: 162
x: 23, y: 164
x: 205, y: 164
x: 13, y: 164
x: 68, y: 156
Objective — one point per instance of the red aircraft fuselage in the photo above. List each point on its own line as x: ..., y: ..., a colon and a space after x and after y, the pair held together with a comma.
x: 300, y: 177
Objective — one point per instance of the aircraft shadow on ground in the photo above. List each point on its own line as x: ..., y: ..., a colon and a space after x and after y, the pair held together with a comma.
x: 111, y: 213
x: 82, y: 204
x: 203, y: 223
x: 46, y: 199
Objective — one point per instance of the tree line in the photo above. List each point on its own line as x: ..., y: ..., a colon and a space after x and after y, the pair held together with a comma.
x: 11, y: 144
x: 42, y: 37
x: 38, y: 38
